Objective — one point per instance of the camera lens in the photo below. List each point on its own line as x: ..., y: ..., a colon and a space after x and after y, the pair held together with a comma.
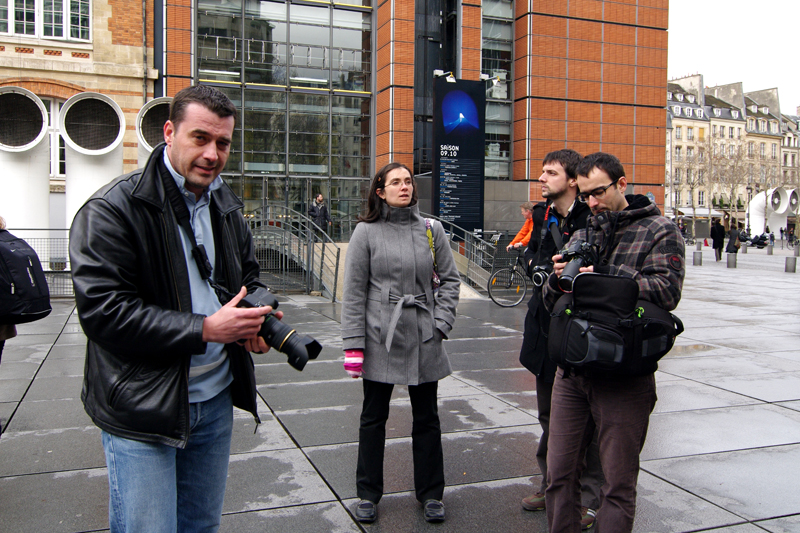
x: 568, y: 274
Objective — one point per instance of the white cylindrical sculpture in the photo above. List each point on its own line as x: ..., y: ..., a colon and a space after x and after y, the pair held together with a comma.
x: 92, y: 125
x: 24, y: 161
x: 794, y: 202
x: 150, y: 126
x: 770, y: 207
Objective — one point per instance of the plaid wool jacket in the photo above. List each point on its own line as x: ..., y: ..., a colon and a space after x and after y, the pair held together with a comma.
x: 638, y: 243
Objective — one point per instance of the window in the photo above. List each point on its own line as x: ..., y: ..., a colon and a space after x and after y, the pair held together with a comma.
x: 677, y: 176
x: 751, y: 123
x: 701, y: 134
x: 750, y: 149
x: 669, y: 95
x: 738, y: 133
x: 774, y: 126
x: 676, y: 110
x: 762, y: 125
x: 678, y: 132
x: 701, y: 198
x: 689, y: 134
x: 700, y: 177
x: 50, y: 19
x: 688, y: 176
x: 717, y: 112
x: 699, y: 113
x: 786, y: 160
x: 714, y: 130
x: 689, y: 153
x: 774, y: 151
x: 58, y: 166
x: 680, y: 97
x: 677, y: 153
x: 735, y: 114
x: 730, y: 132
x: 677, y: 197
x: 763, y: 151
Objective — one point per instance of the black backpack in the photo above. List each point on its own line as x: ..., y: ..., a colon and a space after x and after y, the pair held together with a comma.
x: 602, y: 327
x: 24, y: 294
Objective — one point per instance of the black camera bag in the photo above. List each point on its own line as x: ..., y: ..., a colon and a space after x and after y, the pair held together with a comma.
x: 602, y: 327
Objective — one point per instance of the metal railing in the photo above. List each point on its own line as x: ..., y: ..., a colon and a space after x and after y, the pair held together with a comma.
x: 474, y: 256
x: 295, y: 255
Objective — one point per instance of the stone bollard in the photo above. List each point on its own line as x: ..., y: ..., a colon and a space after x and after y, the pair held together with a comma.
x: 797, y: 250
x: 769, y: 249
x: 697, y: 259
x: 744, y: 247
x: 731, y: 260
x: 699, y: 246
x: 791, y: 265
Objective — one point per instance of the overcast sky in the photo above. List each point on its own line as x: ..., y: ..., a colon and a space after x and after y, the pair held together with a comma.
x: 753, y: 41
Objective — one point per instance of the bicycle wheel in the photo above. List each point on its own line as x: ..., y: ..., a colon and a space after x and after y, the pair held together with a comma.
x: 507, y: 287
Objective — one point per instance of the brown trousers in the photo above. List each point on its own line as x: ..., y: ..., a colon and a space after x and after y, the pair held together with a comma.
x: 621, y: 410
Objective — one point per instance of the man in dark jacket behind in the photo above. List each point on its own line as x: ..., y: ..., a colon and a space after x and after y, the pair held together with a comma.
x: 554, y: 222
x: 318, y: 212
x: 633, y: 241
x: 164, y: 365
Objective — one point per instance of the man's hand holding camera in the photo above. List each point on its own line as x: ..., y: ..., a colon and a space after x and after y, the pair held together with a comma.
x: 233, y: 324
x: 558, y: 268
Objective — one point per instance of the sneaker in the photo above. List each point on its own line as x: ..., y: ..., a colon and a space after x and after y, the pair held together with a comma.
x: 434, y: 511
x: 587, y: 517
x: 534, y: 502
x: 366, y: 512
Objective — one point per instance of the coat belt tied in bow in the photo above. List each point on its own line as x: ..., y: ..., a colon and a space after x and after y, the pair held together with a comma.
x: 408, y: 300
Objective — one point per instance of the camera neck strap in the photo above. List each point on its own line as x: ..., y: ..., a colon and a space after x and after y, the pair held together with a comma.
x: 550, y: 224
x: 181, y: 211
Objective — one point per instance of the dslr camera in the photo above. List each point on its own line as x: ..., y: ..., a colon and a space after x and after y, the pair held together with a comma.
x: 580, y: 254
x: 539, y: 274
x: 279, y: 335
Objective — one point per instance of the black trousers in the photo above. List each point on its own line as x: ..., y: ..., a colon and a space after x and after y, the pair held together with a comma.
x: 426, y: 437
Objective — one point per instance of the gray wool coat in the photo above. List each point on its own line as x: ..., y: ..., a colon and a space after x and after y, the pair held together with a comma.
x: 389, y: 309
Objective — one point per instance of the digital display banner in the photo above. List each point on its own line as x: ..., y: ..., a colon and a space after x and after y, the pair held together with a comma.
x: 459, y: 142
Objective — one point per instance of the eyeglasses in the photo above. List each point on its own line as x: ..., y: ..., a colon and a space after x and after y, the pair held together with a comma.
x: 598, y: 193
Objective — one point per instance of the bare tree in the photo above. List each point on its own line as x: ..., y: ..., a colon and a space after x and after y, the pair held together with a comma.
x: 691, y: 167
x: 728, y: 168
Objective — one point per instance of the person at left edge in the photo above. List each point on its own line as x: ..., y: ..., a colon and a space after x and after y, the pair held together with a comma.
x: 164, y: 366
x: 392, y: 331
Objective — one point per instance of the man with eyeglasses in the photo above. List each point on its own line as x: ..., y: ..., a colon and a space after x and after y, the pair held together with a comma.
x: 635, y: 241
x: 554, y: 222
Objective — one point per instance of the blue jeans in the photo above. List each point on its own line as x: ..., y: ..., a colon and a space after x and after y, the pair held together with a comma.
x: 155, y: 488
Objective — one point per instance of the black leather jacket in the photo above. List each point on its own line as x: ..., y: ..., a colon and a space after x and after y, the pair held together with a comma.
x: 134, y: 304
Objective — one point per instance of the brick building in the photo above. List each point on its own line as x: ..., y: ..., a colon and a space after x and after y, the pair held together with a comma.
x: 330, y: 91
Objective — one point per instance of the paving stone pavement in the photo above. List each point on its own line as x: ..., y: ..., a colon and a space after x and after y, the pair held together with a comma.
x: 722, y: 453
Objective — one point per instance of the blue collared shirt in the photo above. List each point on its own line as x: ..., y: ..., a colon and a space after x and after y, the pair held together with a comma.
x: 210, y: 372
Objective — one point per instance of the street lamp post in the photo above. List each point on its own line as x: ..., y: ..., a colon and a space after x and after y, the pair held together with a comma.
x: 749, y: 190
x: 675, y: 184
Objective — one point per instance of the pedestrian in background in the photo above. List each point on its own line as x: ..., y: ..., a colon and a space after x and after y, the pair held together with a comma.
x: 318, y: 212
x: 717, y: 238
x: 393, y: 322
x: 524, y: 234
x: 733, y: 240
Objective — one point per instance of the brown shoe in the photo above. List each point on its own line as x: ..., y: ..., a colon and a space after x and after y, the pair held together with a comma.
x: 587, y: 517
x: 534, y: 502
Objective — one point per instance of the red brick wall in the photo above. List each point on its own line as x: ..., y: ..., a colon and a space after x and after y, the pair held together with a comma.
x: 591, y: 75
x: 395, y: 83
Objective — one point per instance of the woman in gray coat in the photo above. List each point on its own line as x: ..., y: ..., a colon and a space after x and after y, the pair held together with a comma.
x: 393, y: 324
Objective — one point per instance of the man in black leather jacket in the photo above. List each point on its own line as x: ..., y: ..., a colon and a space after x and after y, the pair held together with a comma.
x: 556, y: 219
x: 163, y: 361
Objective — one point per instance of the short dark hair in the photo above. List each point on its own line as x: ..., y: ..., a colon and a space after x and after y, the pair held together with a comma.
x: 568, y: 159
x: 375, y: 202
x: 209, y: 97
x: 603, y: 161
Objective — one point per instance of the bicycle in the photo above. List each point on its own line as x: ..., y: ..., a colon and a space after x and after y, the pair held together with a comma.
x: 690, y: 241
x: 791, y: 242
x: 508, y: 286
